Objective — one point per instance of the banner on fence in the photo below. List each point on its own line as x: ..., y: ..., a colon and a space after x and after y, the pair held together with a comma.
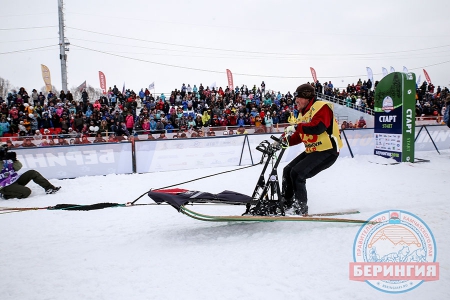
x: 170, y: 155
x: 83, y: 160
x: 60, y: 162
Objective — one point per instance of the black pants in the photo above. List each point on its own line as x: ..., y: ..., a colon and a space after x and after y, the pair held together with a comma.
x: 301, y: 168
x: 18, y: 188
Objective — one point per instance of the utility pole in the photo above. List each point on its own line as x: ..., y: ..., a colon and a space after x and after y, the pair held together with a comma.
x: 63, y: 46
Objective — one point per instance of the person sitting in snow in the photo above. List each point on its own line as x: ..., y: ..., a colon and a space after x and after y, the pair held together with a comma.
x: 13, y: 185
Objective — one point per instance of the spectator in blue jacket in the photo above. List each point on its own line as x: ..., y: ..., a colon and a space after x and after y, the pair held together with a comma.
x: 275, y: 118
x: 4, y: 125
x: 240, y: 121
x: 169, y: 127
x: 152, y: 124
x: 447, y: 112
x: 141, y: 94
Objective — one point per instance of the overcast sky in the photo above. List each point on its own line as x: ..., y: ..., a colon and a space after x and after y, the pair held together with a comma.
x: 139, y: 42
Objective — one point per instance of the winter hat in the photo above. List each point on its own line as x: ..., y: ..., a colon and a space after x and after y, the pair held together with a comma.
x: 305, y: 91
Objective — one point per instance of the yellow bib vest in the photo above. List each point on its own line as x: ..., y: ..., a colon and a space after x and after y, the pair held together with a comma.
x: 322, y: 141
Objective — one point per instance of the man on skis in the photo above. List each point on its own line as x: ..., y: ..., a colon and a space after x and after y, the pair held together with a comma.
x: 318, y: 129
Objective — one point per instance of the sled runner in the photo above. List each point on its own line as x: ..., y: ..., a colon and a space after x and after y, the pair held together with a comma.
x: 264, y: 205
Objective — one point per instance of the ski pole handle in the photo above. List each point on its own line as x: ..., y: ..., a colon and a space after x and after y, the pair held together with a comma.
x: 283, y: 141
x: 275, y: 139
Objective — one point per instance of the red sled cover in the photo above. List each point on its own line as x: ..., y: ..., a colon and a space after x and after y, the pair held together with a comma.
x: 179, y: 197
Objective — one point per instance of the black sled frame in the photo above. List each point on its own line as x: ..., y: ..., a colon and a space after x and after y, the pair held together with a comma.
x: 266, y: 197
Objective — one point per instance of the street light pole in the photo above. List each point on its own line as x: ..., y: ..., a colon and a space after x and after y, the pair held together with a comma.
x: 63, y: 46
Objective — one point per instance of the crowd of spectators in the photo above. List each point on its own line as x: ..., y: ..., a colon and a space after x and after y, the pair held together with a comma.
x: 124, y: 114
x: 430, y: 101
x: 359, y: 96
x: 52, y: 118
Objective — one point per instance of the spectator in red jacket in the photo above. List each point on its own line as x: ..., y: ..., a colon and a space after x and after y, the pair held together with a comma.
x: 224, y: 121
x: 84, y: 140
x: 129, y: 122
x: 232, y: 119
x: 361, y: 123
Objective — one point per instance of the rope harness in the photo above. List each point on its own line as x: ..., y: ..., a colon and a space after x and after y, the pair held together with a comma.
x: 81, y: 207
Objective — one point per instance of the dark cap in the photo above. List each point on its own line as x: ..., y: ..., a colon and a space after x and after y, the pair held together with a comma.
x: 305, y: 91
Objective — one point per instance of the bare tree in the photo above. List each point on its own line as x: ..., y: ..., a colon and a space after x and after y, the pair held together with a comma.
x: 54, y: 90
x: 76, y: 93
x: 5, y: 86
x: 94, y: 93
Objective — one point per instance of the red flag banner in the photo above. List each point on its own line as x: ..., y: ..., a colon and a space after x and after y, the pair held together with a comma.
x: 82, y: 86
x: 313, y: 73
x: 230, y: 79
x: 426, y: 76
x: 102, y: 78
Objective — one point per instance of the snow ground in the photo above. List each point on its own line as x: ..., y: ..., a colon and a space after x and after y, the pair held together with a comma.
x: 153, y: 252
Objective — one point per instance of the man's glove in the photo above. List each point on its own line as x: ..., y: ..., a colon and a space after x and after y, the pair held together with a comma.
x: 290, y: 129
x: 11, y: 155
x: 276, y: 145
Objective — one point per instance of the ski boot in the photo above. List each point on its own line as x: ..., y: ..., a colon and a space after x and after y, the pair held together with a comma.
x: 300, y: 208
x: 296, y: 208
x: 52, y: 190
x: 287, y: 202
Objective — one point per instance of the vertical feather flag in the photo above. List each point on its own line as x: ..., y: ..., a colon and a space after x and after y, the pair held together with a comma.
x: 102, y: 78
x: 426, y: 76
x: 46, y: 76
x: 369, y: 73
x: 230, y: 79
x: 313, y: 73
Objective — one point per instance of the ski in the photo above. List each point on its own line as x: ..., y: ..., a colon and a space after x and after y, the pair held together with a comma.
x: 330, y: 214
x: 250, y: 218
